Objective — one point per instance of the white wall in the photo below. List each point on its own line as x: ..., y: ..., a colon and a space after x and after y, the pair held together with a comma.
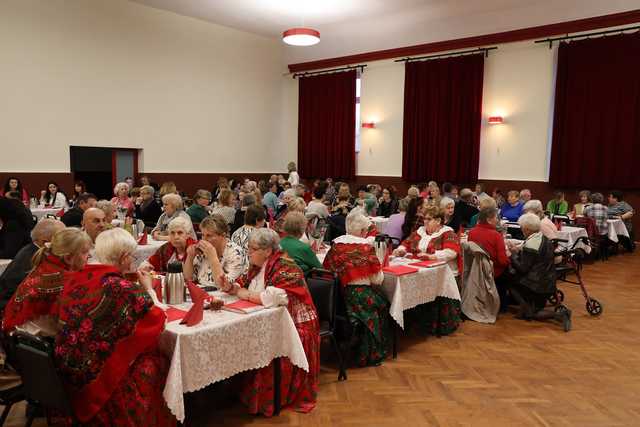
x: 518, y: 84
x: 195, y: 96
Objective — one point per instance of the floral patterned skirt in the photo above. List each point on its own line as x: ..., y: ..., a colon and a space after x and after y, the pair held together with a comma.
x: 371, y: 310
x: 298, y: 389
x: 439, y: 317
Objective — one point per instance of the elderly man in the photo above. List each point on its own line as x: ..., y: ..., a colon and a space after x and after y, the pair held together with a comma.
x: 531, y: 280
x: 94, y: 222
x: 619, y: 208
x: 18, y: 269
x: 73, y: 217
x: 525, y: 195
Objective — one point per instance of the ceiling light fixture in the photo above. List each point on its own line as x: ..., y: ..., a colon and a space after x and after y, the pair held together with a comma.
x: 301, y: 36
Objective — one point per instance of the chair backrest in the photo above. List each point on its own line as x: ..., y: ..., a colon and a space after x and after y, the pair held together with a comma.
x: 40, y: 379
x: 322, y: 285
x: 588, y: 224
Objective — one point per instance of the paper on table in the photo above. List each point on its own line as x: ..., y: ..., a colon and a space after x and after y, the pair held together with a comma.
x: 243, y: 306
x: 399, y: 270
x: 428, y: 263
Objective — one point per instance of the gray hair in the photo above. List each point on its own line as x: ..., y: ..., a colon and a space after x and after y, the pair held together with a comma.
x: 173, y: 199
x: 530, y: 221
x: 112, y: 244
x: 534, y: 206
x: 180, y: 222
x: 486, y: 214
x: 265, y: 238
x: 356, y: 222
x: 466, y: 194
x: 202, y: 194
x: 295, y: 223
x: 290, y: 193
x: 105, y: 206
x: 446, y: 201
x: 413, y: 192
x: 597, y: 198
x: 249, y: 200
x: 524, y: 191
x: 45, y: 229
x: 147, y: 189
x: 119, y: 186
x: 403, y: 204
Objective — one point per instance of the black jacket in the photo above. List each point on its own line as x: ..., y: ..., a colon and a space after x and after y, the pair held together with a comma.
x: 73, y: 217
x: 386, y: 209
x: 15, y: 273
x: 464, y: 212
x: 534, y: 265
x: 150, y: 214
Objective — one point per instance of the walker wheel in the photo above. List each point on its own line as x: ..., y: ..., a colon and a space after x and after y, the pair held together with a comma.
x: 594, y: 307
x: 556, y: 298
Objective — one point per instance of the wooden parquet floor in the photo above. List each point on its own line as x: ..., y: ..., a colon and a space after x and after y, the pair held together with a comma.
x: 513, y: 373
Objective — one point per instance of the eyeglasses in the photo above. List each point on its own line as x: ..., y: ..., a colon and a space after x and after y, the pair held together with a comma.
x: 253, y: 249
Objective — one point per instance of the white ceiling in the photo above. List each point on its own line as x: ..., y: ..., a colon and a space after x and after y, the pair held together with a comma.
x: 271, y: 17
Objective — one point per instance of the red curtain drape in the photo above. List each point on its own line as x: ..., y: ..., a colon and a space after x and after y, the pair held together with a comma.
x: 442, y: 117
x: 327, y: 125
x: 596, y: 126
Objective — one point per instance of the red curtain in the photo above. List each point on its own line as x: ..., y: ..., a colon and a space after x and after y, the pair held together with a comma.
x: 442, y: 117
x: 327, y: 125
x: 596, y: 126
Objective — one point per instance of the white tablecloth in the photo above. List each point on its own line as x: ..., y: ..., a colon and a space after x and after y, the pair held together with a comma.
x: 572, y: 234
x: 41, y: 213
x: 380, y: 222
x: 143, y: 252
x: 617, y: 228
x: 410, y: 290
x: 3, y: 264
x: 225, y: 344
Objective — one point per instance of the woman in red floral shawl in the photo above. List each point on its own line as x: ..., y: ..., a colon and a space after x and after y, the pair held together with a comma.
x: 174, y: 250
x: 107, y: 348
x: 435, y: 241
x: 354, y: 260
x: 34, y: 306
x: 274, y: 279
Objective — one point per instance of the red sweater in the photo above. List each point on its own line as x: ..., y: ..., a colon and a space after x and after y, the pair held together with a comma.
x: 486, y: 236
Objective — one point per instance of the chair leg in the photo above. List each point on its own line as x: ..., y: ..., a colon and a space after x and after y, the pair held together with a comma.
x: 30, y: 420
x: 342, y: 375
x: 5, y: 413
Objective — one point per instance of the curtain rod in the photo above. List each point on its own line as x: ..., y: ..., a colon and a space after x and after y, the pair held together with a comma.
x: 577, y: 36
x: 484, y: 50
x: 333, y: 70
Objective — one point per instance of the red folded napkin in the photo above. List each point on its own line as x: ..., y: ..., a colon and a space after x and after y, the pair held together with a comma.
x: 428, y: 263
x: 399, y: 270
x: 175, y: 314
x: 198, y: 297
x: 143, y: 239
x: 60, y: 212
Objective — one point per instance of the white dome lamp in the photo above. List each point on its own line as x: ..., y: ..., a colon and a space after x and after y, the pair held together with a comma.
x: 301, y: 36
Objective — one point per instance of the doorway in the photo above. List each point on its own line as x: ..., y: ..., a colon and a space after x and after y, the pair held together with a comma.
x: 101, y: 167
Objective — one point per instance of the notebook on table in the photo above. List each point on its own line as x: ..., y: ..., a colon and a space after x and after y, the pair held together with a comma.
x: 399, y: 270
x: 428, y: 263
x: 243, y: 307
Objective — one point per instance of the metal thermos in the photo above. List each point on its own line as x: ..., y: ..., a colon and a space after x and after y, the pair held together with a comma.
x: 174, y: 284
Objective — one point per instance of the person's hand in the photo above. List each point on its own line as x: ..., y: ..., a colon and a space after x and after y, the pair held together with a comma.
x: 145, y: 279
x: 399, y: 252
x: 242, y: 293
x: 191, y: 251
x: 145, y: 267
x: 207, y: 249
x: 224, y: 284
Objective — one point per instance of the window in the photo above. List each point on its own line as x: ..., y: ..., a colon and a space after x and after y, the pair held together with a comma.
x: 358, y: 125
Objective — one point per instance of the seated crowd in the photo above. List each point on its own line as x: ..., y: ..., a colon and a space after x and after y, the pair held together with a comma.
x: 257, y: 241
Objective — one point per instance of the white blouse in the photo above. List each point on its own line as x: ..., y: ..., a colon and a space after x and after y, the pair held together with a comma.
x: 270, y: 296
x: 233, y: 264
x: 448, y: 255
x: 59, y: 201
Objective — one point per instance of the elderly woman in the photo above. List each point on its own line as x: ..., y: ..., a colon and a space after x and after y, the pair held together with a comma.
x: 147, y: 209
x: 532, y: 278
x: 344, y: 201
x: 175, y: 250
x: 438, y: 242
x: 355, y: 262
x: 287, y: 197
x: 513, y: 208
x: 275, y: 279
x: 451, y: 220
x: 34, y: 306
x: 109, y: 212
x: 394, y: 226
x: 122, y: 202
x: 558, y: 205
x: 294, y: 227
x: 225, y: 207
x: 484, y: 203
x: 295, y: 204
x: 107, y: 351
x: 547, y: 227
x: 434, y: 193
x: 215, y: 255
x: 584, y: 196
x: 200, y: 209
x: 254, y: 218
x: 294, y: 178
x: 173, y: 208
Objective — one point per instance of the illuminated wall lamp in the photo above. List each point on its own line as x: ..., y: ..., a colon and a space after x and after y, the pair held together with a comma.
x: 496, y: 120
x: 369, y: 125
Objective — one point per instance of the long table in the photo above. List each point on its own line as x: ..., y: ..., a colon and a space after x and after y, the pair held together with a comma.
x: 225, y: 344
x: 616, y: 228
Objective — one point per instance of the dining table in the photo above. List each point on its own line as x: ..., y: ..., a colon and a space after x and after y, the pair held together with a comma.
x: 3, y: 264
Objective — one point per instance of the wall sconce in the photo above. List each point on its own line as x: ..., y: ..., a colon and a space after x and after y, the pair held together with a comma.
x: 369, y: 125
x: 495, y: 120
